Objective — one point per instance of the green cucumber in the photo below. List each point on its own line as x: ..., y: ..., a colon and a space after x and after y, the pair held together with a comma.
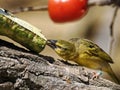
x: 22, y: 32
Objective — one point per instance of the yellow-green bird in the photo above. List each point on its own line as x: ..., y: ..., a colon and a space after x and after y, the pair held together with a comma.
x: 85, y: 53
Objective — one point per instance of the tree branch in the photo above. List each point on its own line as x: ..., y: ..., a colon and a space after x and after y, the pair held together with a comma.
x: 23, y: 70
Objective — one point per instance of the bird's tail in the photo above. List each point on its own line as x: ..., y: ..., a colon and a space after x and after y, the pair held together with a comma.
x: 113, y: 76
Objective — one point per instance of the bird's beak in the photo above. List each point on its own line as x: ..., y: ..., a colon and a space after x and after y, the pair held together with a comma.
x: 52, y: 43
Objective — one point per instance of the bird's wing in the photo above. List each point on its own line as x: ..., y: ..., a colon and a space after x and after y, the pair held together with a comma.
x: 95, y: 50
x: 92, y: 49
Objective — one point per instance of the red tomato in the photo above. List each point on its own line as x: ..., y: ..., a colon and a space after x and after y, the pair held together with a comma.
x: 67, y: 10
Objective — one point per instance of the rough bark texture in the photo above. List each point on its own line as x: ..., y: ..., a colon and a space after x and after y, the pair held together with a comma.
x: 23, y: 70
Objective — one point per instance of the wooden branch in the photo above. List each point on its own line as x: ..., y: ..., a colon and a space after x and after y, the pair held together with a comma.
x: 91, y: 3
x: 24, y: 70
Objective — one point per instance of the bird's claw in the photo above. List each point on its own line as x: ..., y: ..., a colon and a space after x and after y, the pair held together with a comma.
x: 96, y: 75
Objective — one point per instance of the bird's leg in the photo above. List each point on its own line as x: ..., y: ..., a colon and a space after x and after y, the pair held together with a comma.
x: 92, y: 75
x: 96, y: 75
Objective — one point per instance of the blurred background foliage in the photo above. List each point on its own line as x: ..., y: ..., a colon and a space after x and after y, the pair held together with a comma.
x: 94, y: 26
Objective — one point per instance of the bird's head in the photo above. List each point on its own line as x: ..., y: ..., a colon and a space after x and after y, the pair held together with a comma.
x: 63, y: 48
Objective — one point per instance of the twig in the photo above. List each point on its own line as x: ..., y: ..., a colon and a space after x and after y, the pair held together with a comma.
x: 26, y: 9
x: 99, y: 2
x: 112, y: 30
x: 90, y: 4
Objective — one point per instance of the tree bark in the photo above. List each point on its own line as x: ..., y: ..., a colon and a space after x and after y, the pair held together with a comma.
x: 24, y: 70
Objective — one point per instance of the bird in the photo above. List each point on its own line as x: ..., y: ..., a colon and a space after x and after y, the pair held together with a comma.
x: 85, y: 53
